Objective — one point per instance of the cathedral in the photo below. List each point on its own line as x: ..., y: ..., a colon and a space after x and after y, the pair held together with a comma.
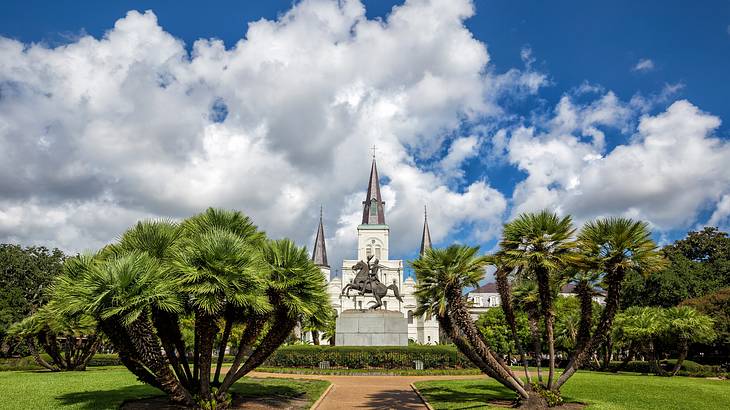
x: 373, y: 236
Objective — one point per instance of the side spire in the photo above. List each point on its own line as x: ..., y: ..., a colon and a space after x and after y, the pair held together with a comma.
x: 319, y: 255
x: 373, y: 212
x: 426, y: 237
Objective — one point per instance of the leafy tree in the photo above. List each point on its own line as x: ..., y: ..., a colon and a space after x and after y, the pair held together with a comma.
x: 213, y: 273
x: 717, y: 306
x: 25, y: 273
x: 493, y: 325
x: 698, y: 265
x: 647, y: 329
x: 69, y: 341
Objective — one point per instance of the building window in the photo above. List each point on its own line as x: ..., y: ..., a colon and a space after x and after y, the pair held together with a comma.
x: 368, y: 251
x: 377, y: 251
x: 410, y: 317
x: 385, y: 305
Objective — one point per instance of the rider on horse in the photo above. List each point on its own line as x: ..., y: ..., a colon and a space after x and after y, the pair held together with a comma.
x: 372, y: 276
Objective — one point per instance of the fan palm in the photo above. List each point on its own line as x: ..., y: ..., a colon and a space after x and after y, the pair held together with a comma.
x: 613, y: 247
x: 296, y: 288
x: 688, y: 326
x: 525, y: 297
x: 540, y: 246
x: 442, y: 275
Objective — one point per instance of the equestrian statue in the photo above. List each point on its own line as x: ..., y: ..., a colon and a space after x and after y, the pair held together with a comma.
x: 366, y: 281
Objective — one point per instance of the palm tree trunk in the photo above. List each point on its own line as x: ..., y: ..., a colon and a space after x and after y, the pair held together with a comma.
x: 315, y: 337
x: 462, y: 319
x: 532, y: 319
x: 143, y: 337
x: 30, y: 342
x: 167, y: 328
x: 503, y: 288
x: 270, y: 342
x: 602, y: 329
x: 546, y: 308
x: 222, y: 348
x: 127, y: 353
x: 208, y: 328
x: 249, y: 336
x: 684, y: 349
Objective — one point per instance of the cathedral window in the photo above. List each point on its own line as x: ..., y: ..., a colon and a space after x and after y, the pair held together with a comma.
x: 368, y: 250
x: 377, y: 251
x: 410, y: 317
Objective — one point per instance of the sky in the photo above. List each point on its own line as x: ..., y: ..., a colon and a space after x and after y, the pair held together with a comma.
x: 112, y: 112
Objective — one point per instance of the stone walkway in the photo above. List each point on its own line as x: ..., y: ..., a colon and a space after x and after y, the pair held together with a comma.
x: 368, y: 392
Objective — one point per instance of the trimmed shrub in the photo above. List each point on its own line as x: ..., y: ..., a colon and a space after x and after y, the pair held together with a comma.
x: 689, y: 368
x: 352, y: 357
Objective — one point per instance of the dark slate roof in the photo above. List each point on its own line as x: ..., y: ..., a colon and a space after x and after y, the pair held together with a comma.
x: 426, y: 236
x: 319, y: 255
x: 377, y: 217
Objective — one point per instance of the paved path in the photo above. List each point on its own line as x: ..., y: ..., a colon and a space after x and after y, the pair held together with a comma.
x: 368, y: 392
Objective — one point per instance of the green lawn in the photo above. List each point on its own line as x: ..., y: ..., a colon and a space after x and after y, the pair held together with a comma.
x: 600, y: 390
x: 108, y: 387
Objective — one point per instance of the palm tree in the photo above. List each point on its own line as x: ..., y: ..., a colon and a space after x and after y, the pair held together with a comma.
x: 69, y: 340
x: 688, y: 326
x: 296, y: 288
x: 540, y: 247
x: 442, y: 275
x: 640, y: 328
x: 613, y: 247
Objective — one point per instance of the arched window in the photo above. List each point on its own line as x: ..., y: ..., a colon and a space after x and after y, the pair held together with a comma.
x: 410, y: 317
x: 368, y: 250
x: 377, y: 251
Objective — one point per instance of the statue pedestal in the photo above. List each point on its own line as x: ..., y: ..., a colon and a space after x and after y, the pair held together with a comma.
x: 371, y: 328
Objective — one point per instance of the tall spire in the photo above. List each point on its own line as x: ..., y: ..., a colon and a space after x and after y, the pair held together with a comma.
x: 426, y: 237
x: 319, y: 255
x: 373, y: 212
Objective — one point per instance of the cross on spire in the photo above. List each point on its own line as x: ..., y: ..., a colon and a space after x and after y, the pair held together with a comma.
x: 373, y: 148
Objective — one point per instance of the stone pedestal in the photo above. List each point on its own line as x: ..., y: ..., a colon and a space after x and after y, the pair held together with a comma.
x: 371, y: 328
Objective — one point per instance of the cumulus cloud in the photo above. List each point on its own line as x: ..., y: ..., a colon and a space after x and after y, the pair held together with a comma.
x: 721, y: 216
x: 101, y: 132
x: 644, y: 64
x: 670, y: 170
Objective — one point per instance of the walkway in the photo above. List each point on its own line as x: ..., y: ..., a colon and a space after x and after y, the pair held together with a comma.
x: 368, y: 392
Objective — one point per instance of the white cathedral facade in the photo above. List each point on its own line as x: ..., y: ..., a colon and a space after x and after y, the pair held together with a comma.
x: 373, y: 237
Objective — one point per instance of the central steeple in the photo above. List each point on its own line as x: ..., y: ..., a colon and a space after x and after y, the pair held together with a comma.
x: 373, y: 212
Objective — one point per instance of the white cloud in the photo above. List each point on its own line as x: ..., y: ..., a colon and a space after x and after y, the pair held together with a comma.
x: 644, y: 64
x: 667, y: 173
x: 721, y: 216
x: 98, y: 133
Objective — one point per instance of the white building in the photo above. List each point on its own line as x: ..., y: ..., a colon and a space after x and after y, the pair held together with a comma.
x: 486, y: 296
x: 373, y: 237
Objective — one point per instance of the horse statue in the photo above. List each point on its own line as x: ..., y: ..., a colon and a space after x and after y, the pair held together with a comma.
x: 364, y: 284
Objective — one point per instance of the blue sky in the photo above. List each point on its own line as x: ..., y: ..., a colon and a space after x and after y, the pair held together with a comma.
x: 645, y: 56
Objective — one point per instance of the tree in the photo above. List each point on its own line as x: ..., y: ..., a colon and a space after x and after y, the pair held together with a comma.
x: 698, y: 265
x: 537, y: 249
x: 612, y: 247
x: 442, y: 275
x: 25, y: 273
x: 214, y: 271
x: 493, y: 325
x: 646, y: 329
x: 717, y: 306
x: 70, y: 342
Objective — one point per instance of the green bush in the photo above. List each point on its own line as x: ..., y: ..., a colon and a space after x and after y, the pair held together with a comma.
x: 350, y: 357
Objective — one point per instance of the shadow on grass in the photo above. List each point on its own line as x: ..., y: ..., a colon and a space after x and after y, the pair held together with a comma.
x: 469, y: 395
x: 107, y: 399
x: 249, y: 388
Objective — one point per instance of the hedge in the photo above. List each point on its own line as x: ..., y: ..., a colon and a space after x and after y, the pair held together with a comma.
x: 348, y: 357
x: 689, y: 368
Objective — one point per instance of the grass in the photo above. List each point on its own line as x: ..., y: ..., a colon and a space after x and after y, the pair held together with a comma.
x: 369, y: 372
x: 108, y: 387
x: 600, y: 391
